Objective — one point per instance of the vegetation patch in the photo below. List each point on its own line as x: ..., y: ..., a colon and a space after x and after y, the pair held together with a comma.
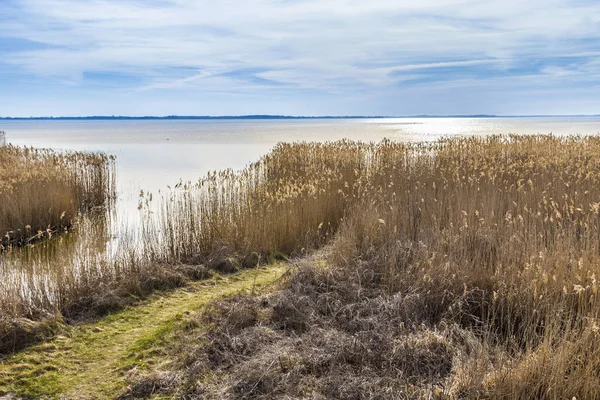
x: 324, y: 335
x: 42, y: 191
x: 94, y: 360
x: 465, y: 268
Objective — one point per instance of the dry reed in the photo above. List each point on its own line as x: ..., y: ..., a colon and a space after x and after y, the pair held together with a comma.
x: 42, y: 191
x: 486, y: 251
x: 486, y: 248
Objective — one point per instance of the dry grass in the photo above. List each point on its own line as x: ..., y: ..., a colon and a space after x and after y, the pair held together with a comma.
x: 461, y: 268
x: 291, y: 199
x: 324, y: 337
x: 42, y: 192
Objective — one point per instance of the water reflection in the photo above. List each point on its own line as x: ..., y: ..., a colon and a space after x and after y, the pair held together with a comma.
x: 34, y: 276
x: 92, y: 232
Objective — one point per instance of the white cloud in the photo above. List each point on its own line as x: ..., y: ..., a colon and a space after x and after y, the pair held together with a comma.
x: 334, y: 46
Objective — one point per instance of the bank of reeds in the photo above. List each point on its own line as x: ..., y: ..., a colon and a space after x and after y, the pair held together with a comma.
x: 290, y: 200
x: 499, y: 237
x: 464, y: 268
x: 42, y: 191
x: 461, y: 268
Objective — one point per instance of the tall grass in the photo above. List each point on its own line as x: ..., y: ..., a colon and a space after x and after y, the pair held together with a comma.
x: 497, y: 236
x: 42, y: 191
x: 500, y: 236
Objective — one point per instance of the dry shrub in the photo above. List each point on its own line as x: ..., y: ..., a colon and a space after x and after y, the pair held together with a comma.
x: 18, y: 333
x: 148, y: 386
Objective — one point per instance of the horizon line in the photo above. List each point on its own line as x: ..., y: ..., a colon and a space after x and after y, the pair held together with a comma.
x: 276, y: 116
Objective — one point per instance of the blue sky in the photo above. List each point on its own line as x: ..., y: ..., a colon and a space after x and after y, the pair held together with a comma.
x: 301, y: 57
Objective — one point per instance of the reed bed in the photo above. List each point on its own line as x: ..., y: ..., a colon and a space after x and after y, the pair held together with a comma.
x: 42, y: 191
x: 460, y: 268
x: 500, y: 237
x: 289, y: 201
x: 464, y: 268
x: 82, y: 275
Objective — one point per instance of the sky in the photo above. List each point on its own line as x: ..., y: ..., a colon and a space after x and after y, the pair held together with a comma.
x: 299, y: 57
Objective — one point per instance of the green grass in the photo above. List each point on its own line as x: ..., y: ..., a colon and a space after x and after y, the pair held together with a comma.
x: 92, y: 361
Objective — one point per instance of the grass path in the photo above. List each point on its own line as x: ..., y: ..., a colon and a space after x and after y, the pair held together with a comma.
x: 92, y: 361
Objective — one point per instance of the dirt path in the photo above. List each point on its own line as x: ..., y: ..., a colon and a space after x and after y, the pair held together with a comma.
x: 91, y: 361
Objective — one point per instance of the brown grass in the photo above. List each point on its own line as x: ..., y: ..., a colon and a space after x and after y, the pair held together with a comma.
x: 465, y: 268
x: 505, y: 231
x: 42, y: 191
x: 460, y: 268
x: 292, y: 199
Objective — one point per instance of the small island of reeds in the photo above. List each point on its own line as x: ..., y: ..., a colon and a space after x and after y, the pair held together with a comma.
x: 42, y: 191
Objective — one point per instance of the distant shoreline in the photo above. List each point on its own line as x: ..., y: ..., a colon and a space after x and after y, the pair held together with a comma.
x: 273, y: 117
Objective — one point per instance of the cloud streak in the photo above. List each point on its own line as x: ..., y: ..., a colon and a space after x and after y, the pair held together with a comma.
x: 319, y: 52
